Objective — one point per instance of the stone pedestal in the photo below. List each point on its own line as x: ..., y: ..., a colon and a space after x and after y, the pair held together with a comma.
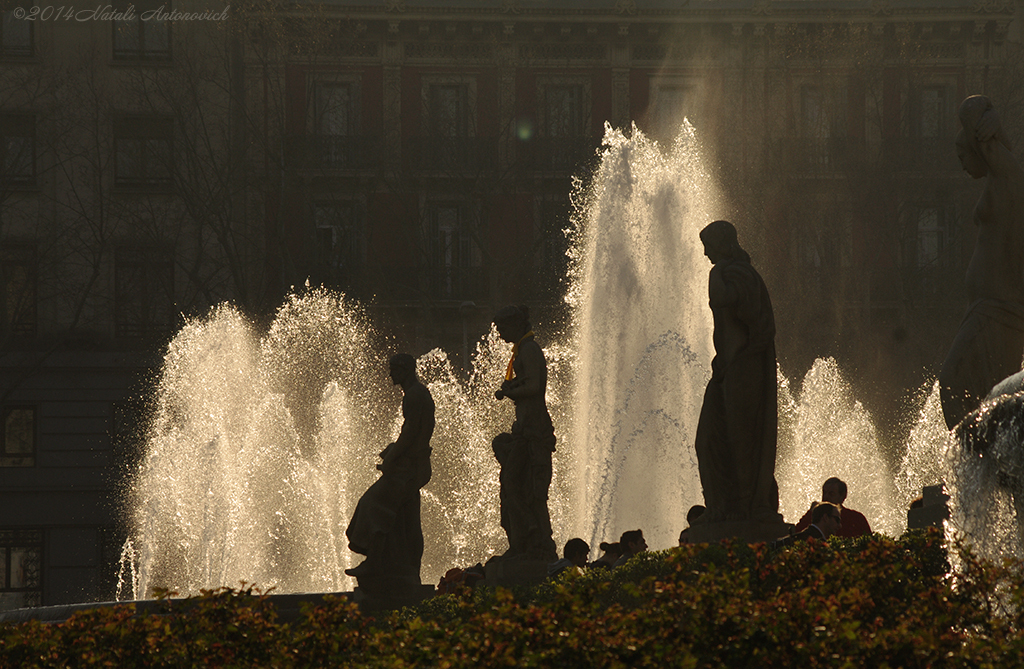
x: 750, y: 531
x: 384, y: 599
x: 508, y: 573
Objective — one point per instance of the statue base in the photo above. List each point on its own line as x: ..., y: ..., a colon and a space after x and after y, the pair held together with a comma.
x: 385, y: 592
x: 750, y: 531
x: 387, y: 597
x: 511, y: 572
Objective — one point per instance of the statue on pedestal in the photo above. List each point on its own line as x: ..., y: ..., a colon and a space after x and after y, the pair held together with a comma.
x: 738, y: 427
x: 990, y: 342
x: 525, y: 453
x: 386, y: 524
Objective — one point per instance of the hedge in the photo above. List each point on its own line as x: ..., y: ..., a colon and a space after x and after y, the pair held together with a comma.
x: 872, y: 601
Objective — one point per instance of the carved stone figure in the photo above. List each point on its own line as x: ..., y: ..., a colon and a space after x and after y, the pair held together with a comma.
x: 990, y: 342
x: 386, y: 524
x: 738, y: 427
x: 525, y: 453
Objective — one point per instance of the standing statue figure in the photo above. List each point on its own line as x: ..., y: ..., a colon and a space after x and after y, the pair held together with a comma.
x: 386, y: 524
x: 738, y: 428
x: 525, y: 454
x: 990, y: 342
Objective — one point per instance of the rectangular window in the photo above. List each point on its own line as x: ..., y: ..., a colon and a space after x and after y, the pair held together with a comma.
x: 18, y: 271
x: 18, y: 439
x: 338, y: 252
x: 143, y: 292
x: 813, y: 119
x: 21, y: 559
x: 333, y: 108
x: 143, y: 39
x: 454, y: 259
x: 563, y: 110
x: 934, y: 120
x: 17, y: 150
x: 448, y: 111
x: 931, y: 237
x: 15, y: 34
x: 143, y: 152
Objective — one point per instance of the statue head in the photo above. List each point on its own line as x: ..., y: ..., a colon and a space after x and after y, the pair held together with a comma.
x: 720, y: 242
x: 512, y: 322
x: 402, y: 366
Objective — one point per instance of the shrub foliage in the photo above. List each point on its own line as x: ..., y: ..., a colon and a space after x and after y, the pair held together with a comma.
x: 872, y: 601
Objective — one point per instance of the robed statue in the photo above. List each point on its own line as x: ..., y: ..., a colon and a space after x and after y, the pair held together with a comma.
x: 990, y: 342
x: 386, y: 524
x: 525, y: 453
x: 738, y: 427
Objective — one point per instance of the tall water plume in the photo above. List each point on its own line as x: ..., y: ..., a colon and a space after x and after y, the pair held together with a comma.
x: 643, y: 337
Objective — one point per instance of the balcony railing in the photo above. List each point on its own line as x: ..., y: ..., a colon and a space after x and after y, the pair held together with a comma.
x: 451, y: 154
x: 334, y: 152
x: 558, y: 154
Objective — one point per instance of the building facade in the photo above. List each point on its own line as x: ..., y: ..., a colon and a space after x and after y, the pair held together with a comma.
x: 420, y: 156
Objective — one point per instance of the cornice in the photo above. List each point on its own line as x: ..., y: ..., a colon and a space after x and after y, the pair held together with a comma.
x: 708, y: 10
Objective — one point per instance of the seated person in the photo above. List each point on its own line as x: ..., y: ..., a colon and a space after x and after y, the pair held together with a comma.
x: 611, y: 553
x: 854, y: 522
x: 574, y: 554
x: 826, y: 521
x: 632, y: 542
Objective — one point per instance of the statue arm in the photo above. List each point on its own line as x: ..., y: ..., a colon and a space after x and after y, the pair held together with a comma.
x: 722, y: 292
x: 995, y: 147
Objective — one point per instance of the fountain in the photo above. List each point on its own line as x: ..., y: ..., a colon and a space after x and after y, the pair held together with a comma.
x: 261, y: 445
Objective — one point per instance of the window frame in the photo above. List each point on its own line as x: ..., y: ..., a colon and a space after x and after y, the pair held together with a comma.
x: 20, y: 52
x: 142, y: 53
x: 21, y: 538
x: 24, y: 323
x: 20, y: 459
x: 18, y: 125
x: 145, y: 130
x: 150, y: 259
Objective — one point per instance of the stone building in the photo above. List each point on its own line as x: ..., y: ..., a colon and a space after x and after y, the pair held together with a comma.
x: 419, y: 155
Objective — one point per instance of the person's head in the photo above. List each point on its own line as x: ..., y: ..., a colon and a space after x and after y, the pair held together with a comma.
x: 684, y: 537
x: 833, y: 490
x: 576, y: 551
x: 720, y: 242
x: 402, y: 367
x: 512, y: 323
x: 694, y: 513
x: 633, y: 542
x: 611, y: 551
x: 827, y: 517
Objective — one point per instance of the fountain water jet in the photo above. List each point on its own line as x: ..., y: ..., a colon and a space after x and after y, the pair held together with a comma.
x: 642, y: 329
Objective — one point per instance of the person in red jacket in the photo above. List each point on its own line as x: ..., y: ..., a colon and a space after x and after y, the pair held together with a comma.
x: 854, y: 523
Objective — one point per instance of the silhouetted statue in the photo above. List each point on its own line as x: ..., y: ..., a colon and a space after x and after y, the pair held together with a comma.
x: 990, y: 342
x: 738, y: 428
x: 525, y: 454
x: 386, y: 524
